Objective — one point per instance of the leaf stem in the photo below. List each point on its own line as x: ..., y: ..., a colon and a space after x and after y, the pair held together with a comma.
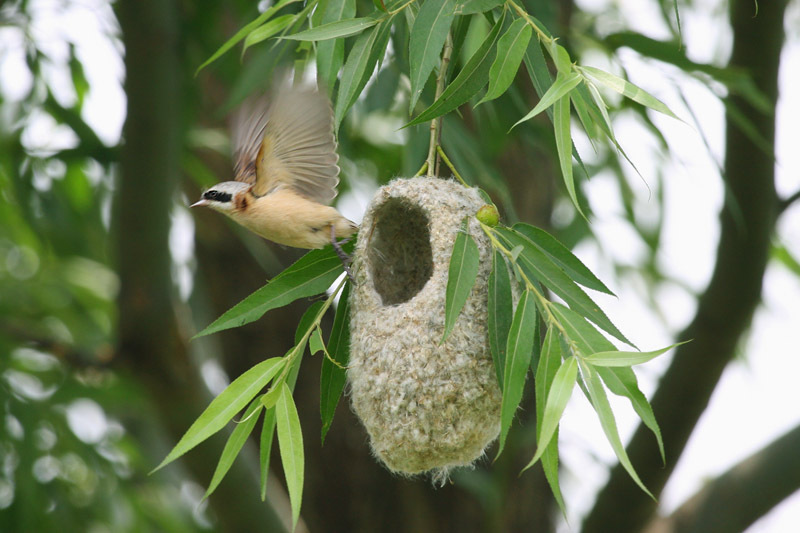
x: 524, y: 14
x: 545, y: 303
x: 299, y: 348
x: 399, y: 9
x: 436, y: 124
x: 450, y: 165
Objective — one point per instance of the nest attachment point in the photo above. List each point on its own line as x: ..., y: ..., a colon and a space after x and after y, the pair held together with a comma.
x: 426, y: 406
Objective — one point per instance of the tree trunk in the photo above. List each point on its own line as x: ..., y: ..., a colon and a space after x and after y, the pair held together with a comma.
x: 151, y: 346
x: 725, y: 310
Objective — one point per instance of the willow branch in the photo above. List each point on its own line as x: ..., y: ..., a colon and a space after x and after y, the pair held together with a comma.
x: 743, y: 494
x: 436, y: 124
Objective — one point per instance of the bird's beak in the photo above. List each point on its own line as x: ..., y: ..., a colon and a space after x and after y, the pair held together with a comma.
x: 199, y: 203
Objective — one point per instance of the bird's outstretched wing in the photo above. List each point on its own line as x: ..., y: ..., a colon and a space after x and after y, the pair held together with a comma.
x: 287, y: 141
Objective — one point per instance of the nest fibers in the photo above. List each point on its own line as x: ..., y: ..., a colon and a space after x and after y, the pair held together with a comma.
x: 426, y: 407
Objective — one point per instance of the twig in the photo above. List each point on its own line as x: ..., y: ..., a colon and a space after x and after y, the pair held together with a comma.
x: 432, y: 161
x: 450, y: 165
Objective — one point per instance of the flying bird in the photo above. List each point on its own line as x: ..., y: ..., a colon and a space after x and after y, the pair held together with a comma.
x: 285, y: 171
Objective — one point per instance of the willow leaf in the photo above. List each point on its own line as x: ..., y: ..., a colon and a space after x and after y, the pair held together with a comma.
x: 230, y: 401
x: 461, y: 275
x: 427, y: 39
x: 333, y: 376
x: 518, y: 357
x: 557, y: 398
x: 290, y: 443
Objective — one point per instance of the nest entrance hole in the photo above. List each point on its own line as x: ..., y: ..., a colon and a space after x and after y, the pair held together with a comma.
x: 399, y: 251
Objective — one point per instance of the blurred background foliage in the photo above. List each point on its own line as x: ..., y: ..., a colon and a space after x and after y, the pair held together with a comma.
x: 98, y: 376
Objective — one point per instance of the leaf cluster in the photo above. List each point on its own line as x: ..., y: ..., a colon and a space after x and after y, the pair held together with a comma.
x: 266, y: 389
x: 323, y: 29
x: 559, y: 345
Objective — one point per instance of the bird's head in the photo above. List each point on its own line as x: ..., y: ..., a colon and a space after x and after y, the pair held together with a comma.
x: 222, y: 196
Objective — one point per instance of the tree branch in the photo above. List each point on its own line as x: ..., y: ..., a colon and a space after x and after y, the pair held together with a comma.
x: 436, y: 124
x: 725, y: 310
x: 736, y: 499
x: 784, y: 203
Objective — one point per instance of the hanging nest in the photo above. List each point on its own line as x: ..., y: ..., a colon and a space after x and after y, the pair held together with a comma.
x: 426, y: 406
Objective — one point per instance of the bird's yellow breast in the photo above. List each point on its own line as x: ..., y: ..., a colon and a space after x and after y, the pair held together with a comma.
x: 287, y: 218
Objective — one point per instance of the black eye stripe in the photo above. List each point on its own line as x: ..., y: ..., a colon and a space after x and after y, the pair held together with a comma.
x: 217, y: 196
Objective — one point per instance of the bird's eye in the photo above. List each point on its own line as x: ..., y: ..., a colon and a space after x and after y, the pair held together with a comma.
x: 210, y: 195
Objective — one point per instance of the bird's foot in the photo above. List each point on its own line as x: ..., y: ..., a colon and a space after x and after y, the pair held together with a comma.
x: 346, y: 259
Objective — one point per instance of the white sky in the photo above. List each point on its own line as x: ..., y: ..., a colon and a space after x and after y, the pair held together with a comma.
x: 757, y: 399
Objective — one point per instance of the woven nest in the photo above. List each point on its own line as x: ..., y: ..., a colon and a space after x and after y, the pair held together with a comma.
x: 426, y: 406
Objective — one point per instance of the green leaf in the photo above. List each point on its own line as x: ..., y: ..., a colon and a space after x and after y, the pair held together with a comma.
x: 340, y: 28
x: 511, y: 48
x: 225, y: 406
x: 267, y: 30
x: 561, y: 125
x: 378, y: 51
x: 290, y: 443
x: 518, y: 357
x: 244, y: 32
x: 471, y: 7
x: 623, y: 382
x: 549, y: 363
x: 557, y: 398
x: 560, y: 57
x: 537, y: 69
x: 782, y: 254
x: 268, y: 430
x: 461, y: 275
x: 265, y: 448
x: 582, y: 108
x: 235, y: 442
x: 379, y: 5
x: 586, y: 336
x: 561, y: 87
x: 315, y: 343
x: 599, y: 400
x: 500, y: 313
x: 469, y: 81
x: 354, y: 73
x: 562, y: 256
x: 539, y: 266
x: 602, y: 107
x: 333, y: 377
x: 307, y: 321
x: 270, y: 398
x: 628, y: 90
x: 550, y: 467
x: 427, y: 39
x: 619, y: 358
x: 310, y: 275
x: 739, y: 82
x: 540, y: 76
x: 330, y: 53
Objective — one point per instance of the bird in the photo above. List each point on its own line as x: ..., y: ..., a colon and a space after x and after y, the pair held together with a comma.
x: 285, y: 171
